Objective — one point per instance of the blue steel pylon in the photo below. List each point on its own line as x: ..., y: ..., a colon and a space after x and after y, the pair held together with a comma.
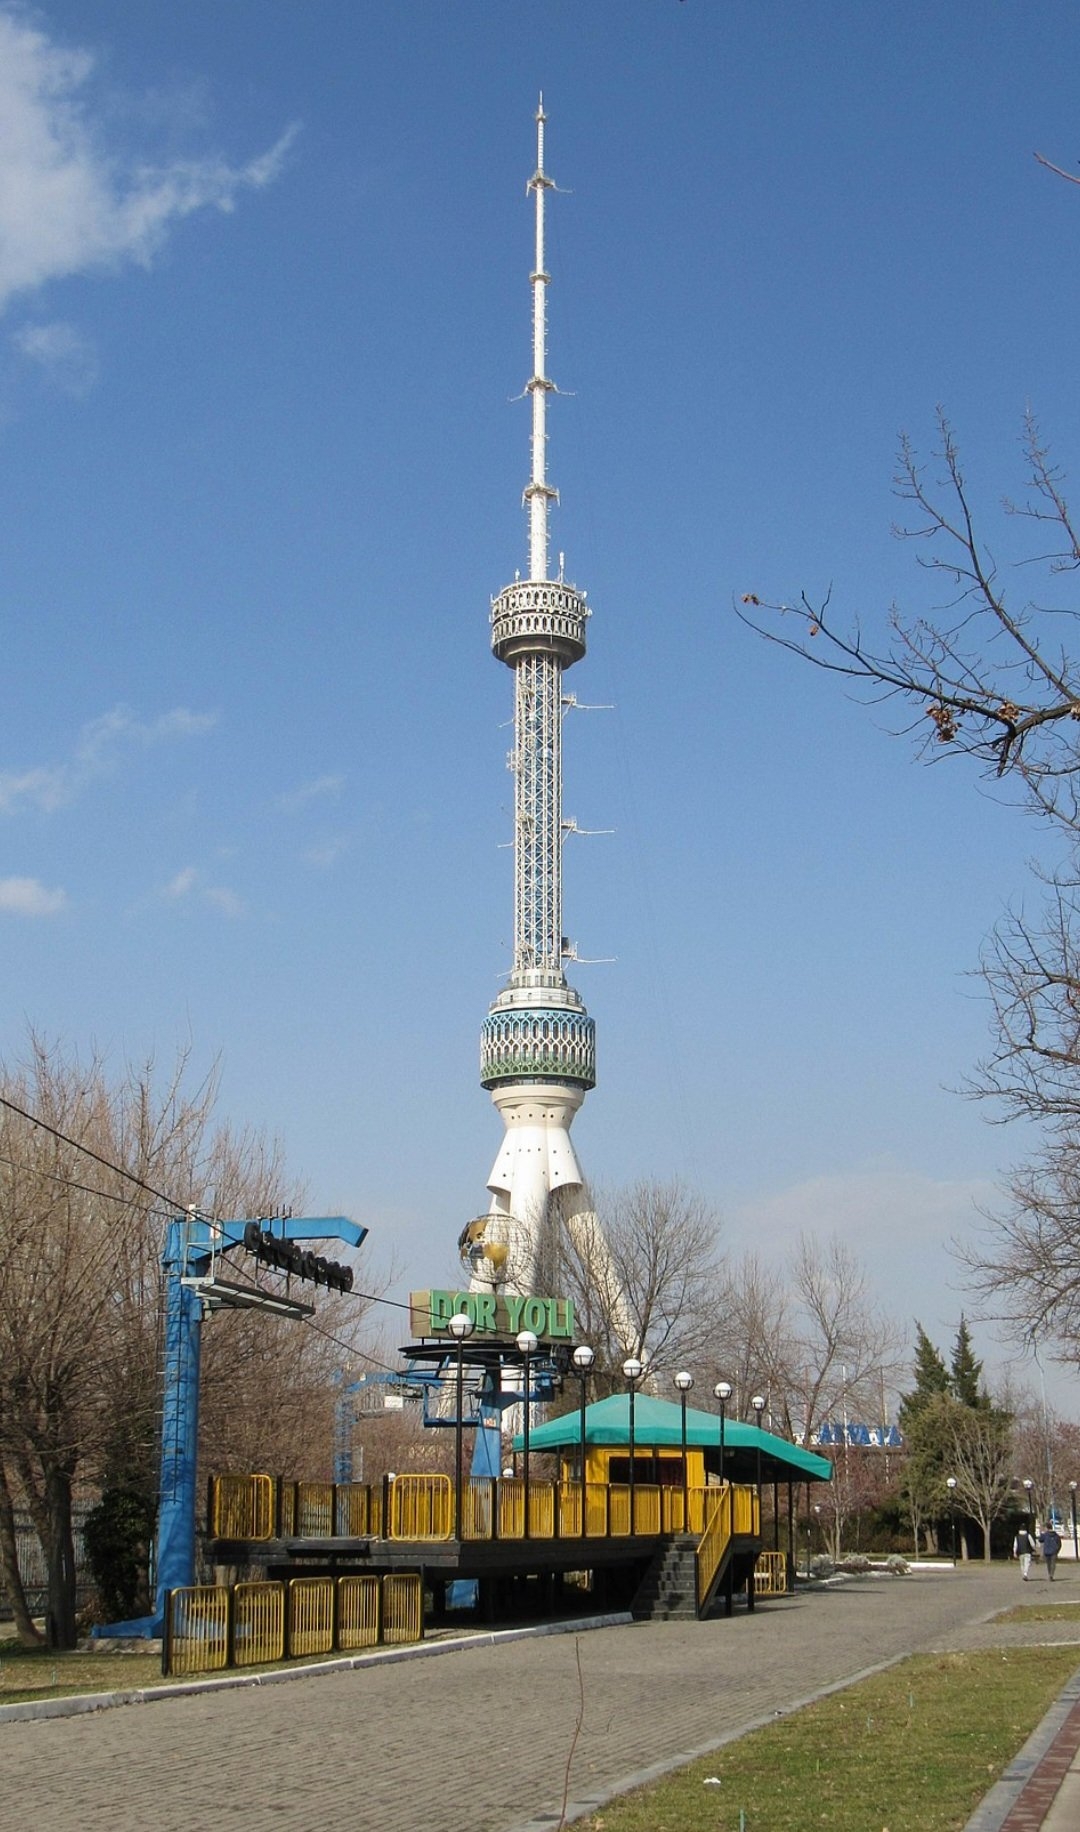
x: 192, y: 1245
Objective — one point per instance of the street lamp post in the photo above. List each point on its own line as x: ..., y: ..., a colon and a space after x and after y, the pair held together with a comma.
x: 950, y: 1484
x: 583, y: 1358
x: 460, y: 1326
x: 1028, y: 1488
x: 758, y: 1403
x: 722, y: 1392
x: 684, y: 1382
x: 528, y: 1343
x: 632, y: 1369
x: 1072, y: 1504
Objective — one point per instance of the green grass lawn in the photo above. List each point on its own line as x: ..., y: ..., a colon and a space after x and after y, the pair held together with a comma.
x: 1043, y: 1612
x: 912, y: 1750
x: 28, y: 1673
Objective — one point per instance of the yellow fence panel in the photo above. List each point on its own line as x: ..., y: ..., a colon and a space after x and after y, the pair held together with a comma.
x: 541, y: 1510
x: 242, y: 1507
x: 619, y: 1510
x: 746, y: 1517
x: 511, y: 1509
x: 352, y: 1510
x: 596, y: 1510
x: 196, y: 1629
x: 770, y: 1574
x: 357, y: 1613
x: 286, y: 1509
x: 646, y: 1509
x: 402, y: 1608
x: 421, y: 1507
x: 314, y: 1510
x: 478, y: 1508
x: 570, y: 1522
x: 311, y: 1616
x: 258, y: 1623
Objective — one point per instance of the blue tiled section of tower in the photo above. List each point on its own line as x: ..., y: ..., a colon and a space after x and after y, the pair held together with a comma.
x: 538, y: 1048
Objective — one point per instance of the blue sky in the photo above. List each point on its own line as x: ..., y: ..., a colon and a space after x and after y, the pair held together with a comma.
x: 263, y: 276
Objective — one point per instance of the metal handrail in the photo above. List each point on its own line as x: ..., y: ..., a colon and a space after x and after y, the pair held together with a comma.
x: 714, y: 1540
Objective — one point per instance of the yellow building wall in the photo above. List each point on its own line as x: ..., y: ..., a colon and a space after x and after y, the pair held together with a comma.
x: 598, y: 1459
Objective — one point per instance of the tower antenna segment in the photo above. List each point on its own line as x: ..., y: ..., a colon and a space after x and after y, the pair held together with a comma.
x: 538, y: 492
x: 538, y: 1047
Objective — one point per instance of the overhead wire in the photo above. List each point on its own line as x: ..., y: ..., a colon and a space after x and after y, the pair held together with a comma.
x: 118, y: 1170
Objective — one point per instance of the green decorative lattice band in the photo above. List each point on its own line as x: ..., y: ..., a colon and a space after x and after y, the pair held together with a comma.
x: 524, y: 1045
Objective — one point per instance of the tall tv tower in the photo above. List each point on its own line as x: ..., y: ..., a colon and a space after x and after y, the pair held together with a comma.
x: 538, y: 1046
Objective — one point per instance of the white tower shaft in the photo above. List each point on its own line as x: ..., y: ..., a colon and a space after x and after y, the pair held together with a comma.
x: 538, y: 1047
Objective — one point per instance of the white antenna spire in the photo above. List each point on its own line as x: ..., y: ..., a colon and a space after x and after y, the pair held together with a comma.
x: 538, y: 492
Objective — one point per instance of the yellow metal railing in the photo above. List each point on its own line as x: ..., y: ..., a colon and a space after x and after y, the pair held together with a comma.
x: 258, y: 1623
x: 314, y: 1510
x: 596, y: 1510
x: 770, y: 1574
x: 747, y: 1511
x: 310, y: 1615
x: 730, y: 1512
x: 478, y: 1509
x: 714, y: 1540
x: 196, y: 1630
x: 211, y: 1626
x: 357, y: 1612
x: 352, y: 1510
x: 241, y: 1507
x: 421, y: 1507
x: 569, y: 1502
x: 402, y: 1607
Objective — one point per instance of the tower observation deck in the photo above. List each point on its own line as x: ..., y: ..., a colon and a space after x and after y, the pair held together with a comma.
x: 538, y: 1046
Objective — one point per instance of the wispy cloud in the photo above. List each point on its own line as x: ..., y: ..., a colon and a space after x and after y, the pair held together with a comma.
x: 183, y: 883
x: 224, y: 900
x: 100, y: 745
x: 67, y: 359
x: 189, y: 885
x: 29, y: 897
x: 316, y: 790
x: 327, y: 854
x: 71, y: 203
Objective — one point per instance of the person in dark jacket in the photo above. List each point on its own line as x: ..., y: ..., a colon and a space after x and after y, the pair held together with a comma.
x: 1050, y: 1542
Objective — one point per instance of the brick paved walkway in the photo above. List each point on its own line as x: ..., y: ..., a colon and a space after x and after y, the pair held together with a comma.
x: 479, y: 1741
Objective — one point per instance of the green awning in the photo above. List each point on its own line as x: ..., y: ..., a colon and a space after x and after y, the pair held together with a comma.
x: 658, y: 1425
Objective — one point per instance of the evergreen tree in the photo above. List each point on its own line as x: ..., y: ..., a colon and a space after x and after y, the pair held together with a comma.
x: 966, y: 1383
x: 931, y: 1378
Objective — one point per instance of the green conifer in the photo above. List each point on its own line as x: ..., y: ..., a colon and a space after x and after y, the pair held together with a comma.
x: 966, y: 1381
x: 931, y: 1378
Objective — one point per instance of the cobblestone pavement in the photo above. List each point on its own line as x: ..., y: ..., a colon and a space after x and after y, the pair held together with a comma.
x: 479, y: 1740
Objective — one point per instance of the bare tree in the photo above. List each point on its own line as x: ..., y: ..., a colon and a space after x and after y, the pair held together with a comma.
x: 999, y: 680
x: 994, y: 680
x: 808, y: 1335
x: 752, y: 1329
x: 80, y: 1288
x: 980, y: 1456
x: 644, y: 1277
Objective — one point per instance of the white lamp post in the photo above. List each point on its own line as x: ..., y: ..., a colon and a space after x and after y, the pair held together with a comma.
x: 632, y: 1369
x: 527, y: 1343
x: 583, y: 1358
x: 684, y: 1382
x: 460, y: 1326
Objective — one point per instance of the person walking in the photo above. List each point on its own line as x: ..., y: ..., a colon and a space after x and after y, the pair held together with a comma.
x: 1050, y: 1541
x: 1024, y: 1550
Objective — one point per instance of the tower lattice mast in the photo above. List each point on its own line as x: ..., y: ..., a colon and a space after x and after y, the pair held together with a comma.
x: 538, y: 1050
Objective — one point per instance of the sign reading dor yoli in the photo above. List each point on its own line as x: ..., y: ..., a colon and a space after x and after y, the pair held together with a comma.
x: 493, y: 1314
